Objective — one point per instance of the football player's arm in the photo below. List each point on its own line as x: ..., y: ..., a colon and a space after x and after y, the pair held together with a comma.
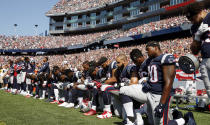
x: 168, y: 77
x: 45, y: 66
x: 196, y: 44
x: 134, y: 78
x: 113, y: 79
x: 195, y: 47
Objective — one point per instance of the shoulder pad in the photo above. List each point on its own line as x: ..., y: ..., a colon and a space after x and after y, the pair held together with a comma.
x: 167, y: 59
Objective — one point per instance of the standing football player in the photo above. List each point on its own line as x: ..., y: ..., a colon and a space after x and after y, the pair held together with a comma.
x: 201, y: 39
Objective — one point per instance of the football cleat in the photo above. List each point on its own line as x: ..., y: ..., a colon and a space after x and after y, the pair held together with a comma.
x: 41, y: 98
x: 91, y: 112
x: 105, y: 115
x: 70, y: 105
x: 36, y: 96
x: 54, y: 102
x: 63, y: 104
x: 77, y: 106
x: 27, y: 96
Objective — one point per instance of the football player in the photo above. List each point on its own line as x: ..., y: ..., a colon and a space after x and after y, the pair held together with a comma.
x: 158, y: 88
x: 156, y: 92
x: 201, y: 39
x: 121, y: 76
x: 128, y: 93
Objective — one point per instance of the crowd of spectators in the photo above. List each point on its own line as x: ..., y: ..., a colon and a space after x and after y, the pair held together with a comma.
x: 154, y: 26
x: 33, y: 42
x: 178, y: 47
x: 64, y: 6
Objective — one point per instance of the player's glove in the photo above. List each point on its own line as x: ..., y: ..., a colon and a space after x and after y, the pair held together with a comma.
x: 116, y: 85
x: 98, y: 84
x: 146, y: 87
x: 49, y: 85
x: 70, y: 85
x: 159, y: 110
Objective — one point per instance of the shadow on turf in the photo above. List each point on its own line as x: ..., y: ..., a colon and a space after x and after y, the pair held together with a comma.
x: 118, y: 123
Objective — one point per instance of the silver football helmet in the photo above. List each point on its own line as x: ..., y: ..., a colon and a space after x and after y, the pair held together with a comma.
x: 188, y: 63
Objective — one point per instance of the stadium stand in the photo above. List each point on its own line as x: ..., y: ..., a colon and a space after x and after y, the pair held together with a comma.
x: 64, y: 6
x: 178, y: 47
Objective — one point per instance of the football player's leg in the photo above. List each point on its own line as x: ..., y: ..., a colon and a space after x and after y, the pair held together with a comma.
x: 80, y: 96
x: 37, y: 90
x: 95, y: 98
x: 139, y: 110
x: 66, y: 96
x: 15, y: 84
x: 50, y: 92
x: 127, y: 94
x: 153, y: 101
x: 30, y: 89
x: 107, y: 106
x: 44, y: 89
x: 11, y: 81
x: 56, y: 94
x: 107, y: 101
x: 135, y: 92
x: 19, y: 82
x: 23, y: 82
x: 72, y: 94
x: 106, y: 97
x: 114, y: 93
x: 205, y: 74
x: 128, y: 106
x: 92, y: 111
x: 9, y: 86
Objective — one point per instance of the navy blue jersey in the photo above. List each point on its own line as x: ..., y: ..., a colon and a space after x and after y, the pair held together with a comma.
x: 143, y: 69
x: 108, y: 72
x: 45, y: 68
x: 20, y: 67
x: 74, y: 78
x: 126, y: 73
x: 85, y: 74
x: 156, y: 80
x: 201, y: 33
x: 24, y: 66
x: 55, y: 78
x: 30, y: 67
x: 100, y: 75
x: 11, y: 70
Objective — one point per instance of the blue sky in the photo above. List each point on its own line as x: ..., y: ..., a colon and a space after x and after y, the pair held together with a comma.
x: 25, y: 13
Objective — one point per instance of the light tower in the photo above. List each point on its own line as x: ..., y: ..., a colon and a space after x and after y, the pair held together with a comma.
x: 36, y: 29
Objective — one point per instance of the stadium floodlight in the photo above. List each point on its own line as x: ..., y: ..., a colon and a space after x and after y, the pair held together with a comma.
x: 36, y: 26
x: 15, y: 29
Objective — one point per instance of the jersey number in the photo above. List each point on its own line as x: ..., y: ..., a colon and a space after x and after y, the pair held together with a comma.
x: 153, y: 74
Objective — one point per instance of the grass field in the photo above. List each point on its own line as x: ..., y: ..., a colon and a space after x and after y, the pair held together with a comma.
x: 18, y: 110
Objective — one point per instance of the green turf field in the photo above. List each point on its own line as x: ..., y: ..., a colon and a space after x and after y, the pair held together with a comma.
x: 18, y: 110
